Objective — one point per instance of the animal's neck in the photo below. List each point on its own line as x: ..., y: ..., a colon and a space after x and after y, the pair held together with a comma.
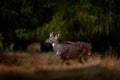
x: 55, y: 46
x: 55, y: 43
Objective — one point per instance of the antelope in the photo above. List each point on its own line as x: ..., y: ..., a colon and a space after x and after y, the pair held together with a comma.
x: 68, y: 50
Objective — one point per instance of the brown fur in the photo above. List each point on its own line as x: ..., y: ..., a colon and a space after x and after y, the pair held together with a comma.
x: 76, y: 52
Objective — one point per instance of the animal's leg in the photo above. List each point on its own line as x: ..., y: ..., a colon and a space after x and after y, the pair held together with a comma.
x: 85, y: 54
x: 62, y: 60
x: 85, y: 58
x: 67, y: 62
x: 80, y: 60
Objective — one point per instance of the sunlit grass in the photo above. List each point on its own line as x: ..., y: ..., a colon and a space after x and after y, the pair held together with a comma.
x: 50, y: 60
x: 40, y: 65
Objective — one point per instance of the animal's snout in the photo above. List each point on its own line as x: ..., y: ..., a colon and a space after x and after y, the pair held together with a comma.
x: 47, y: 41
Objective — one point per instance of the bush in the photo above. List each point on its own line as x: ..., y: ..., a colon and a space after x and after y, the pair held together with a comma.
x: 34, y: 47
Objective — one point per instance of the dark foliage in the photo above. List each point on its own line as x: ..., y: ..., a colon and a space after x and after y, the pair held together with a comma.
x: 94, y: 21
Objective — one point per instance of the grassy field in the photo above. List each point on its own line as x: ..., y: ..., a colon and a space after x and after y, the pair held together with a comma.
x: 46, y: 66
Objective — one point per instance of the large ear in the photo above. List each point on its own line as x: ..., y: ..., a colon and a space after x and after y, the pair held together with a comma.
x: 57, y: 35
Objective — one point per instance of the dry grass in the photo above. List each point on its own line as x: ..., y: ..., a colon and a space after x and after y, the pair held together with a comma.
x: 51, y: 61
x: 48, y: 64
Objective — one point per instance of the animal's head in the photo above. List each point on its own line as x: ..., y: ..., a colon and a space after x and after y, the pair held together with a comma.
x: 53, y: 38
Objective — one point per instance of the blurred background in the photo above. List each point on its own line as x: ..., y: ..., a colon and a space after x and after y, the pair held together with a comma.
x: 29, y: 22
x: 26, y: 24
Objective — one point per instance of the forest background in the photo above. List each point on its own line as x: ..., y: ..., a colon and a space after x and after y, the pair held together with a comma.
x: 28, y: 21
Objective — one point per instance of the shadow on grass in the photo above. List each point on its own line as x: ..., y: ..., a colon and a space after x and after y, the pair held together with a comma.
x: 89, y: 73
